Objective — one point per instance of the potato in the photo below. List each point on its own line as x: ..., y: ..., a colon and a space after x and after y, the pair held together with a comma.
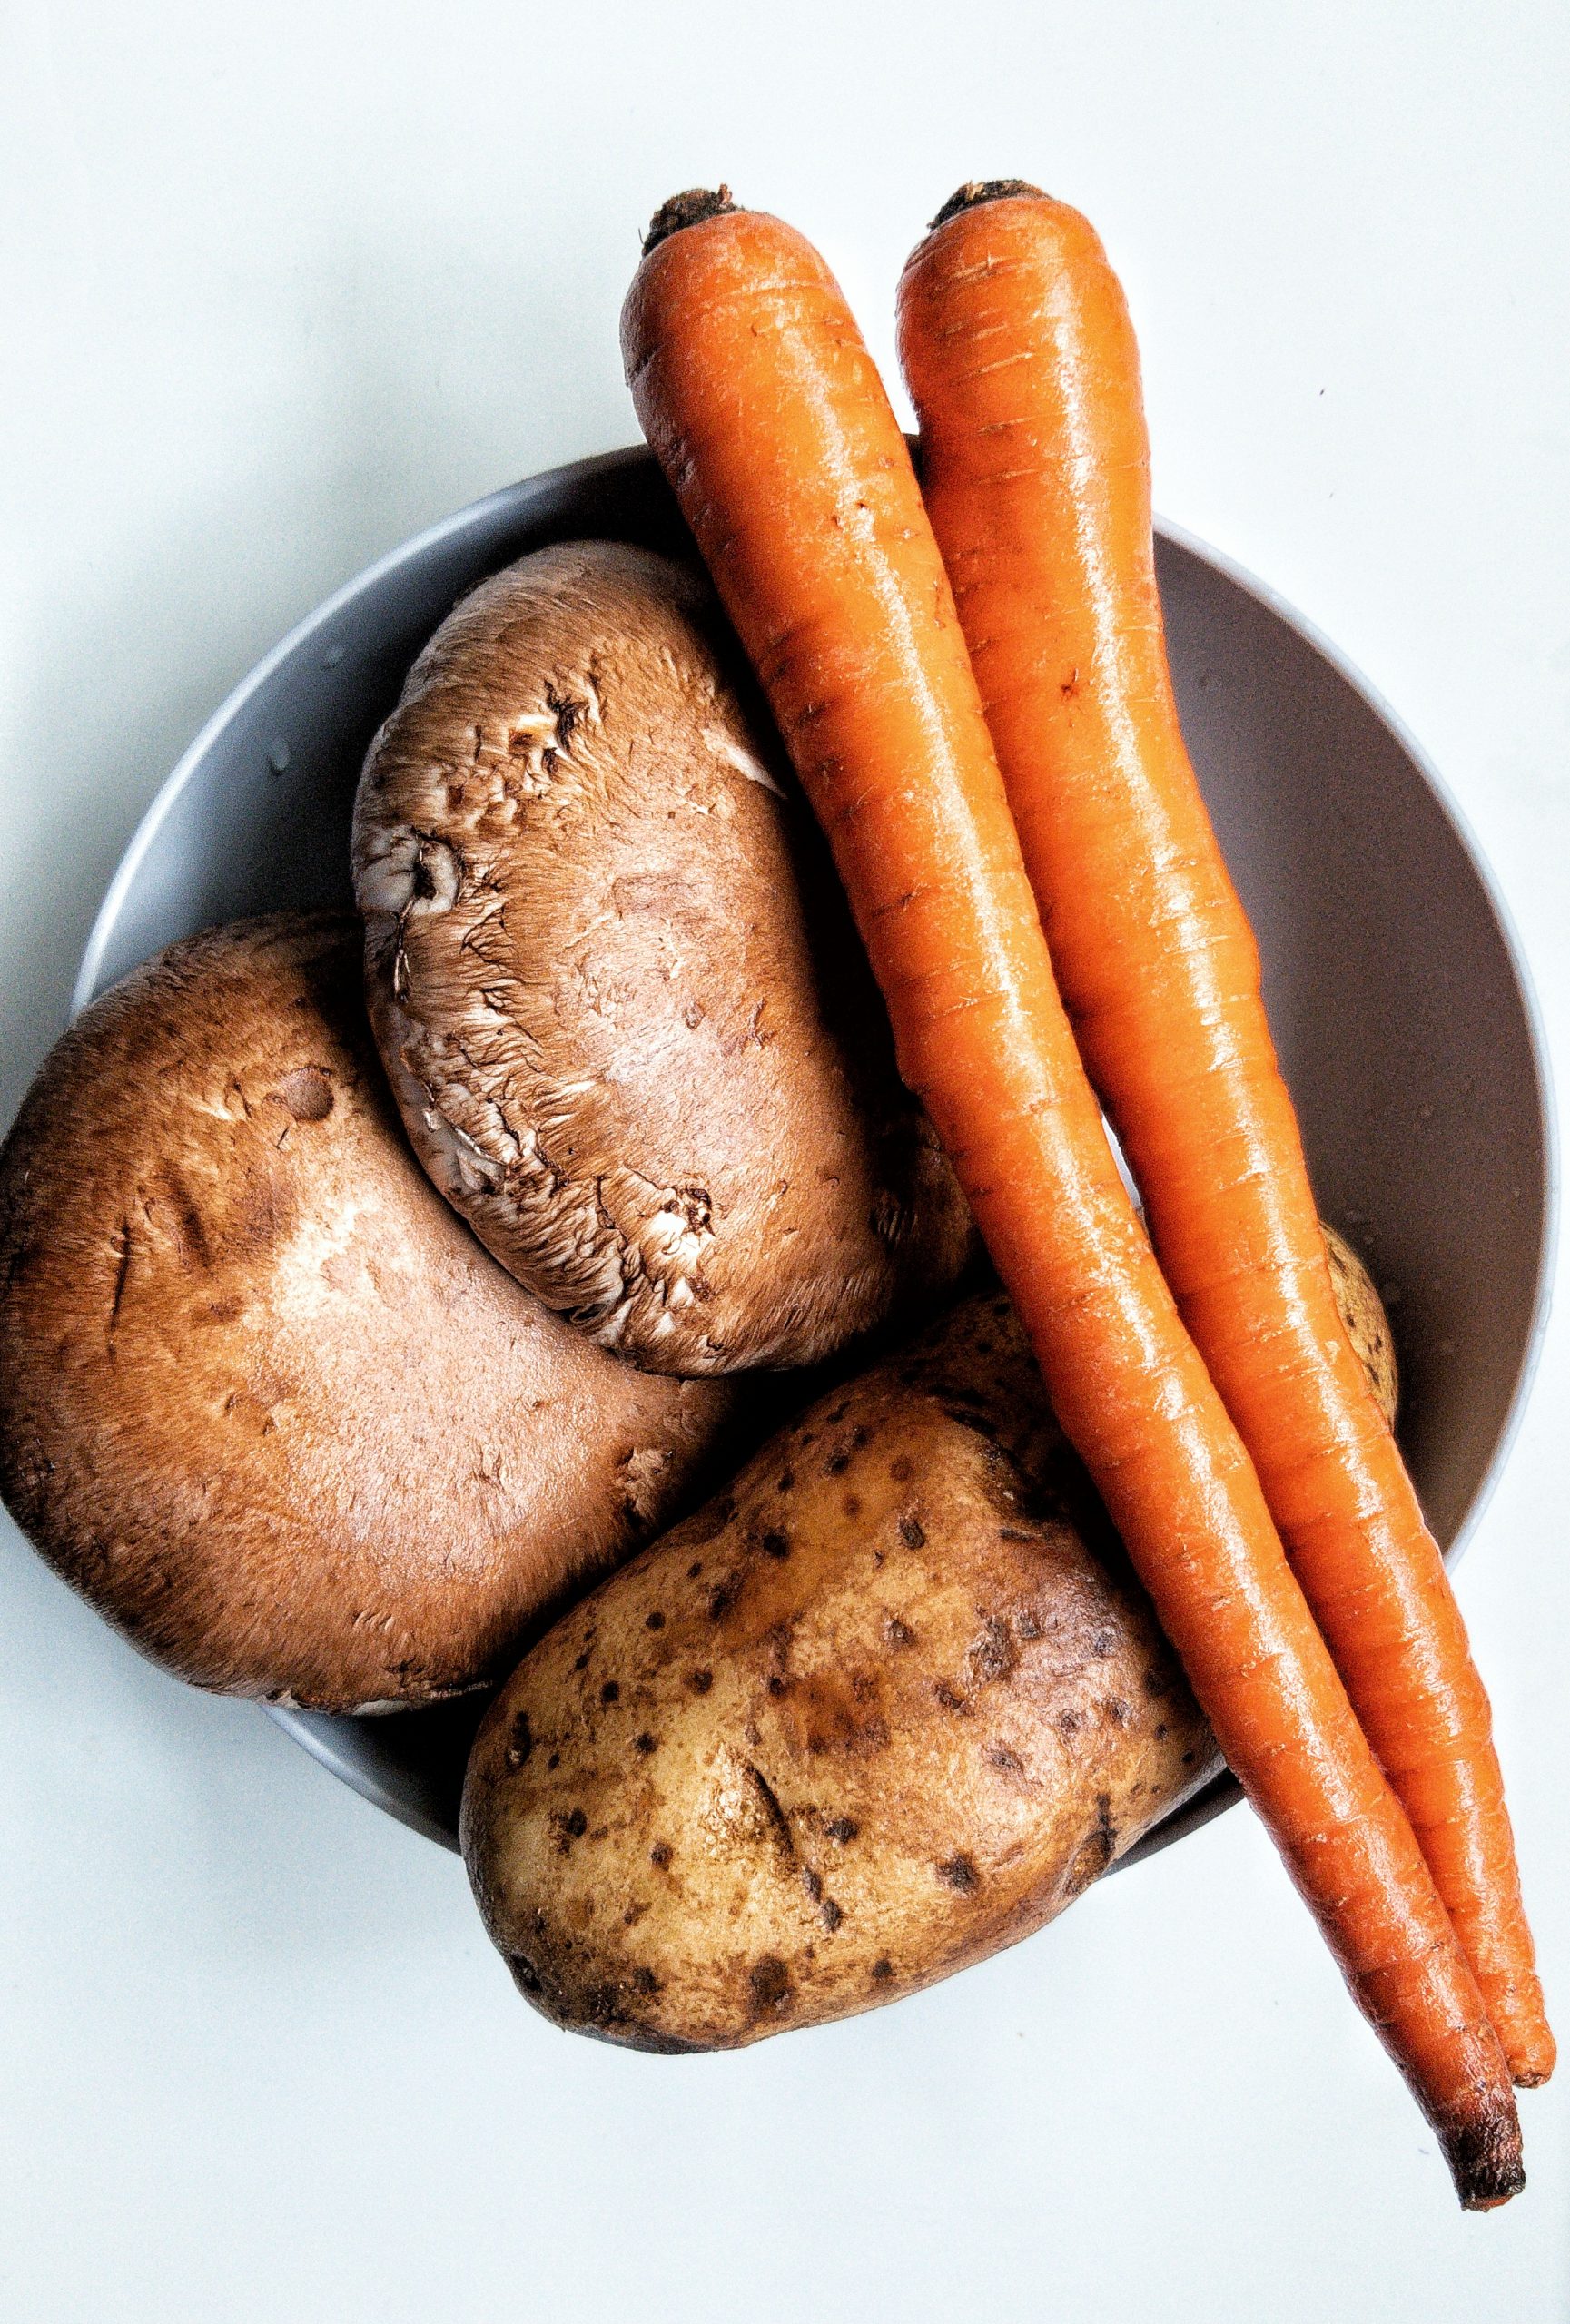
x: 883, y: 1707
x: 1367, y: 1325
x: 616, y: 986
x: 263, y: 1399
x: 875, y: 1712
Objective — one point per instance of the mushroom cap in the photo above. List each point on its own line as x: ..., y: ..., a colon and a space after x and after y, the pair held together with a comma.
x: 615, y: 985
x: 263, y: 1399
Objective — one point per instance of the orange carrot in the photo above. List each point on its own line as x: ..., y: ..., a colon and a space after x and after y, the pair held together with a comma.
x: 1017, y: 345
x: 753, y: 386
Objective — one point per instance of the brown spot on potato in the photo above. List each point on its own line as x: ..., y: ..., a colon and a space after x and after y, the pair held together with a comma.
x: 525, y: 1975
x: 700, y: 1681
x: 644, y: 1981
x: 659, y: 1855
x: 843, y: 1829
x: 786, y: 1482
x: 768, y: 1984
x: 779, y: 1822
x: 519, y: 1740
x: 645, y: 1743
x: 959, y: 1873
x: 1011, y: 1763
x: 838, y: 1710
x: 912, y: 1533
x: 992, y: 1654
x: 832, y: 1914
x: 898, y: 1633
x: 568, y: 1828
x: 902, y: 1471
x: 775, y: 1544
x: 610, y: 1692
x: 883, y: 1967
x: 656, y: 1621
x: 978, y: 1420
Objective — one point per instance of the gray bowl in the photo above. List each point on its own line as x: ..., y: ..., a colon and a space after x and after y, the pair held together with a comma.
x: 1399, y: 1000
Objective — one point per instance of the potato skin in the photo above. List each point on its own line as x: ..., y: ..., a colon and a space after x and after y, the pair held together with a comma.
x: 616, y: 986
x: 874, y: 1713
x: 1367, y: 1325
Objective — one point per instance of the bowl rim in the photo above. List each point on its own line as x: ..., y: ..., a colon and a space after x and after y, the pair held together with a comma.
x: 1221, y: 1791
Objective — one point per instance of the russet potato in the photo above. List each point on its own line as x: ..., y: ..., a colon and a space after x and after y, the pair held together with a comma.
x: 877, y: 1711
x: 883, y: 1707
x: 1367, y: 1325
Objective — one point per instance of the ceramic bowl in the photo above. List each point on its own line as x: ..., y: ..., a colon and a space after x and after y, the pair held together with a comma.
x: 1398, y: 1001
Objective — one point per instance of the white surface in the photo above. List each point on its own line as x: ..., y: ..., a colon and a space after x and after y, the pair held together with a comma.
x: 283, y: 292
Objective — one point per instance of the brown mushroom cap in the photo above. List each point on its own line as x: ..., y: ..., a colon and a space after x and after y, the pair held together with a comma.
x: 616, y: 989
x: 263, y: 1399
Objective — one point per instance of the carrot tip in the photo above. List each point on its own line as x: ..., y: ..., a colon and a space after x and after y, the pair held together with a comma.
x: 688, y: 208
x: 1485, y: 2160
x: 979, y: 190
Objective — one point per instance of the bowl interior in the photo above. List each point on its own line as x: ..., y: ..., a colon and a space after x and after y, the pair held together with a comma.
x: 1398, y: 1006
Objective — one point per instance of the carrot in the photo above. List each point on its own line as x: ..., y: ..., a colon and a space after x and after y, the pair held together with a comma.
x: 1017, y: 345
x: 754, y: 387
